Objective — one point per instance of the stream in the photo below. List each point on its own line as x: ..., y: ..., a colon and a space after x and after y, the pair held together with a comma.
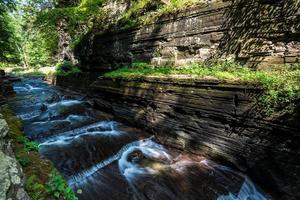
x: 103, y: 159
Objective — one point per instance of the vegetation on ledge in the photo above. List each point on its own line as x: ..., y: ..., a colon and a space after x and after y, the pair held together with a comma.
x: 67, y: 68
x: 42, y: 179
x: 282, y: 86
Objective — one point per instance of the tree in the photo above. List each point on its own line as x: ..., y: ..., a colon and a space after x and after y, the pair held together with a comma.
x: 7, y: 44
x: 36, y: 46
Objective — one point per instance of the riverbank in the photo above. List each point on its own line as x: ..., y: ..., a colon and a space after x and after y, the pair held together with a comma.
x: 12, y: 181
x: 24, y: 173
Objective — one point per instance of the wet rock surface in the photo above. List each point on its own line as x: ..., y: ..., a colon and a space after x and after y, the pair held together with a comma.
x: 104, y: 159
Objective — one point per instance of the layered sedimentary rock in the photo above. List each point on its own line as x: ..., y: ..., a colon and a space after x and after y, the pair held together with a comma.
x: 76, y: 82
x: 260, y: 33
x: 219, y: 120
x: 6, y: 88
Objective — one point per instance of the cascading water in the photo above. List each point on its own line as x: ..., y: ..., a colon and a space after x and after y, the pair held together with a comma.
x: 107, y: 160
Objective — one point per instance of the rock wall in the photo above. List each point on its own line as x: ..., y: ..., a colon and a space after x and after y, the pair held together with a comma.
x: 257, y: 32
x: 11, y: 175
x: 77, y: 82
x: 208, y: 117
x: 6, y: 88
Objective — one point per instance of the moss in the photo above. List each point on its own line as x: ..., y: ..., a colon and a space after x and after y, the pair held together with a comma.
x: 39, y: 171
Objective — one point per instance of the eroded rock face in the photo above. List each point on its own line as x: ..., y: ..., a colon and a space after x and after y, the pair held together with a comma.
x: 213, y: 119
x: 11, y: 175
x: 260, y: 33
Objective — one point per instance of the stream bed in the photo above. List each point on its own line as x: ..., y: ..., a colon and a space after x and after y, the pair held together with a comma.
x: 103, y: 159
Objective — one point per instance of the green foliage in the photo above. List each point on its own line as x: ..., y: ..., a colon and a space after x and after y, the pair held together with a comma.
x: 282, y: 86
x: 8, y: 41
x: 28, y: 144
x: 32, y: 184
x: 146, y: 11
x: 67, y: 68
x: 24, y: 161
x: 31, y: 146
x: 78, y: 17
x: 58, y: 187
x: 35, y: 46
x: 55, y: 187
x: 21, y: 42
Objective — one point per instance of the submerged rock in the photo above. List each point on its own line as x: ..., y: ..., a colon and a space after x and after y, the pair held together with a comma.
x: 43, y: 108
x: 136, y: 156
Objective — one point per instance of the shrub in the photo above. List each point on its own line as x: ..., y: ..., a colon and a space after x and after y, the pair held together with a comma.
x: 58, y: 187
x: 23, y: 161
x: 66, y: 68
x: 28, y: 144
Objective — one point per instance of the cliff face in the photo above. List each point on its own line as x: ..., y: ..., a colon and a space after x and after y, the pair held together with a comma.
x: 206, y: 117
x: 259, y: 33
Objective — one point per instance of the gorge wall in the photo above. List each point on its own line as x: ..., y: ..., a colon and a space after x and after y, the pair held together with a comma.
x: 221, y: 121
x: 260, y: 33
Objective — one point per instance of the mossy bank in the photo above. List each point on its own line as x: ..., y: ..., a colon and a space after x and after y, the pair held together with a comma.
x: 42, y: 181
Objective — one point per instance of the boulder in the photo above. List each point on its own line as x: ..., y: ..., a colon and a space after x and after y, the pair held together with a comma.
x: 3, y: 127
x: 11, y: 179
